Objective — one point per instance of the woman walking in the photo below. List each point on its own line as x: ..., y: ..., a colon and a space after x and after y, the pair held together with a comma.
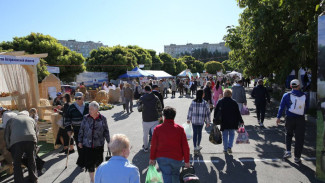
x: 128, y: 98
x: 62, y: 137
x: 217, y: 93
x: 174, y: 88
x: 198, y: 113
x: 231, y: 119
x: 92, y: 134
x: 122, y: 95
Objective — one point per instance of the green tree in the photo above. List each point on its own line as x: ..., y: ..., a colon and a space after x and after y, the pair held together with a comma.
x: 157, y: 63
x: 169, y: 63
x: 213, y: 67
x: 73, y: 63
x: 180, y: 66
x: 193, y: 64
x: 274, y: 37
x: 142, y: 55
x: 113, y: 60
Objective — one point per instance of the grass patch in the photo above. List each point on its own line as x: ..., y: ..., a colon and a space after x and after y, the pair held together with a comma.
x: 45, y: 148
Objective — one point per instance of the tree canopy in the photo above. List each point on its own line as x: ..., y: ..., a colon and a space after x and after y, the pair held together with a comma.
x: 169, y: 63
x: 157, y: 63
x: 274, y: 37
x: 213, y: 67
x: 57, y: 54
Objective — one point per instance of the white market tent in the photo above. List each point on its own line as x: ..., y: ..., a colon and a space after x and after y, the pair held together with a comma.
x: 185, y: 73
x: 234, y: 73
x: 159, y: 74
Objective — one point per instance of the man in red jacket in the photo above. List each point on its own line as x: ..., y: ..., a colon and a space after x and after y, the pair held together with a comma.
x: 169, y: 147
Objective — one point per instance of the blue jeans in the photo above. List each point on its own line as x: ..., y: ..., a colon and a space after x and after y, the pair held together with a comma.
x: 170, y: 169
x: 228, y: 138
x: 197, y: 134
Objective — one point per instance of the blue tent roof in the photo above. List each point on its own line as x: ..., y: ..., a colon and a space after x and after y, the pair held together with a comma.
x: 135, y: 73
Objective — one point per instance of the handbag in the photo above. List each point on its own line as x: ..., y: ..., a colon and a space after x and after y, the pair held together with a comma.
x: 215, y: 135
x: 242, y: 137
x: 244, y: 110
x: 108, y: 155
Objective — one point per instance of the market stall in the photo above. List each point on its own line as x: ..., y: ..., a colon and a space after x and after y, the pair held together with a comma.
x: 185, y: 73
x: 19, y: 90
x: 157, y: 74
x: 135, y: 73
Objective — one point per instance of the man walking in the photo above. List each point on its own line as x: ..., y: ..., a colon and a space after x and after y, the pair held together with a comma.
x: 239, y: 94
x: 261, y: 96
x: 166, y: 87
x: 128, y: 98
x: 20, y: 137
x: 151, y: 108
x: 156, y: 92
x: 296, y: 104
x: 75, y: 114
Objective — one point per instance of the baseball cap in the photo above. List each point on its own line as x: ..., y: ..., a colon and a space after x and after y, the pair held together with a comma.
x: 78, y: 94
x: 295, y: 82
x: 58, y: 94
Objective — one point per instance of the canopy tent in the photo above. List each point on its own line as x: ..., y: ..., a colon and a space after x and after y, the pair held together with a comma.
x: 196, y: 75
x: 135, y: 73
x: 19, y: 73
x: 185, y: 73
x: 159, y: 74
x: 233, y: 73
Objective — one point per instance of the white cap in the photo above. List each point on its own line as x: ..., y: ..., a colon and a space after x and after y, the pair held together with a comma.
x: 295, y: 82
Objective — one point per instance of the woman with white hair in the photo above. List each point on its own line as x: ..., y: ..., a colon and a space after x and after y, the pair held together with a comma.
x: 92, y: 134
x: 118, y: 168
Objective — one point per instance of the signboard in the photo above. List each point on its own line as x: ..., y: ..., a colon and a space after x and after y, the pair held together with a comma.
x: 9, y: 59
x: 92, y: 79
x: 320, y: 141
x: 55, y: 70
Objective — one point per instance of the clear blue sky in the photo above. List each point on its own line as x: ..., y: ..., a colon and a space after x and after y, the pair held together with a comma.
x: 150, y: 24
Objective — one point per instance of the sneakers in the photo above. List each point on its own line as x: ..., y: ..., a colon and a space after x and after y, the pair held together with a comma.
x: 261, y: 124
x: 297, y: 160
x: 287, y: 155
x: 197, y: 148
x: 229, y: 150
x: 145, y: 149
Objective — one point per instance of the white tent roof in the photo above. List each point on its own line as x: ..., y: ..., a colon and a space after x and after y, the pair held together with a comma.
x: 159, y: 73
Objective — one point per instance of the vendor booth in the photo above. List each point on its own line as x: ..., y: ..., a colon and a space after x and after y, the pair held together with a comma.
x: 159, y: 74
x: 185, y: 73
x: 135, y: 73
x: 19, y: 90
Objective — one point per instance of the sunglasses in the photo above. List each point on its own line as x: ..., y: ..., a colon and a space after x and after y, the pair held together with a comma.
x: 79, y: 98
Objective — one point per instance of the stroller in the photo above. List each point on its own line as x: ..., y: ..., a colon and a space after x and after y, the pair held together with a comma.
x: 39, y: 162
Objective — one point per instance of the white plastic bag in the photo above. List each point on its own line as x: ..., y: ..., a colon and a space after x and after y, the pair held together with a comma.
x: 188, y: 131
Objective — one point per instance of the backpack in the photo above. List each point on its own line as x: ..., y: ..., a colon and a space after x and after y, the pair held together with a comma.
x: 297, y: 104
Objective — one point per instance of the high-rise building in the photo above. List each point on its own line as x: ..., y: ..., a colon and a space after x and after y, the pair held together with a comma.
x: 176, y: 50
x: 81, y: 47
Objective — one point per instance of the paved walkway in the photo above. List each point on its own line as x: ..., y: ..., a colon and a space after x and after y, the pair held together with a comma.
x: 259, y: 161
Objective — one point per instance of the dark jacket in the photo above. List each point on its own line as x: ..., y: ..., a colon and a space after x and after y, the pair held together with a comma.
x: 64, y: 112
x: 57, y: 101
x: 93, y: 132
x: 260, y: 94
x: 150, y: 107
x: 161, y: 98
x: 207, y: 94
x: 231, y: 116
x: 239, y: 94
x: 74, y: 117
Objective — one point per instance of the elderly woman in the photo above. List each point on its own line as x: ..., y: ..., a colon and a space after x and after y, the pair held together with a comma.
x: 92, y: 134
x: 231, y: 119
x: 118, y: 168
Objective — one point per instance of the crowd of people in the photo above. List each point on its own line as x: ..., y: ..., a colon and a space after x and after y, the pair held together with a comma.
x: 162, y: 136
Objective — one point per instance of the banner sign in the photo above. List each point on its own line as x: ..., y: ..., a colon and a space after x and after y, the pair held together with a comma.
x: 94, y: 79
x: 55, y: 70
x: 9, y: 59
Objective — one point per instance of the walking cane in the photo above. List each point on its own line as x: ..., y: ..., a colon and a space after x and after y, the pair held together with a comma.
x: 66, y: 164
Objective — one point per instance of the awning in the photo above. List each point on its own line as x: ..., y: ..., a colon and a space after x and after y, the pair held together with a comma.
x: 159, y: 74
x: 135, y: 73
x: 185, y: 73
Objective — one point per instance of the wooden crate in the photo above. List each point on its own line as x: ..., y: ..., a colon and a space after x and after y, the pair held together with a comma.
x: 44, y: 125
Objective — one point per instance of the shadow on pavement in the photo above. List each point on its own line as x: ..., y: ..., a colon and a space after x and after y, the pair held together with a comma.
x: 72, y: 176
x: 204, y: 173
x: 141, y: 160
x: 120, y: 116
x: 236, y: 171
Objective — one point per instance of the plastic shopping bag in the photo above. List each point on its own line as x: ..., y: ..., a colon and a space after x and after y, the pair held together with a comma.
x: 188, y: 131
x: 153, y: 176
x: 242, y: 137
x: 244, y: 110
